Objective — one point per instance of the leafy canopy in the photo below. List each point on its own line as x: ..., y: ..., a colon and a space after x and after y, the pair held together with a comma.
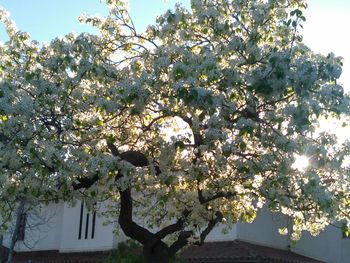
x: 197, y: 120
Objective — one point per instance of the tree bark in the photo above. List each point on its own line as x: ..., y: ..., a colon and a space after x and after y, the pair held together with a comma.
x: 154, y: 249
x: 19, y: 213
x: 157, y: 253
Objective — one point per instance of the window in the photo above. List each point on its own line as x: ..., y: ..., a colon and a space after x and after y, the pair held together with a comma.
x: 93, y: 225
x: 22, y: 227
x: 84, y: 223
x: 81, y: 219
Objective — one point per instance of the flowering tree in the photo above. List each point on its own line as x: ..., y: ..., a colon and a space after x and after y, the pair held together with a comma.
x: 194, y: 122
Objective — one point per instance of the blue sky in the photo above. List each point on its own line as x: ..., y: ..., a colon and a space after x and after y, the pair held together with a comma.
x: 46, y: 19
x: 325, y: 29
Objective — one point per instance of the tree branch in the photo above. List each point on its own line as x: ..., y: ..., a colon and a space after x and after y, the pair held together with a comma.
x: 85, y: 182
x: 173, y: 227
x: 129, y: 227
x: 212, y: 223
x: 136, y: 158
x: 181, y: 241
x: 204, y: 200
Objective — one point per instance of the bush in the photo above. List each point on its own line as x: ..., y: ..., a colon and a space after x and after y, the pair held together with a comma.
x: 130, y: 252
x: 127, y: 252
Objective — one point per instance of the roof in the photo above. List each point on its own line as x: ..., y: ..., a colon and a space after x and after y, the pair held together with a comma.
x: 241, y: 252
x: 211, y: 252
x: 54, y: 256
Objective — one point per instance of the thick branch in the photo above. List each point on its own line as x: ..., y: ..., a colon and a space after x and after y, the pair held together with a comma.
x: 136, y: 158
x: 212, y: 223
x: 198, y: 139
x: 178, y: 226
x: 85, y: 182
x: 114, y: 150
x: 181, y: 241
x: 129, y: 227
x: 204, y: 200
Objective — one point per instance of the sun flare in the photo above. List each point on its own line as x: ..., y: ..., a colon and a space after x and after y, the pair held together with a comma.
x: 301, y: 162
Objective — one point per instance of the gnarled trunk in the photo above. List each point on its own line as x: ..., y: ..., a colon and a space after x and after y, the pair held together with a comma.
x: 154, y: 249
x: 157, y: 253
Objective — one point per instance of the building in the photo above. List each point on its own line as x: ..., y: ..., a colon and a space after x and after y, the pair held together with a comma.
x: 66, y: 231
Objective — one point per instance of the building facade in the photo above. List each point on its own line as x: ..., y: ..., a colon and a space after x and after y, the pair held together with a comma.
x: 66, y: 228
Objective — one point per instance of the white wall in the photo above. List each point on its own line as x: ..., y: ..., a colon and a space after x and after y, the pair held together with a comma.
x: 264, y: 230
x: 329, y: 246
x: 43, y: 229
x: 59, y: 230
x: 217, y: 234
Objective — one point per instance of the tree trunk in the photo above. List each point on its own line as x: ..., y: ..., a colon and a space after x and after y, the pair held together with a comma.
x: 19, y: 213
x: 157, y: 253
x: 3, y: 256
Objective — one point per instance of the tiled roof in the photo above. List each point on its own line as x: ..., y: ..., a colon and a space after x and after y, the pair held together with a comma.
x: 54, y: 256
x: 211, y: 252
x: 241, y: 252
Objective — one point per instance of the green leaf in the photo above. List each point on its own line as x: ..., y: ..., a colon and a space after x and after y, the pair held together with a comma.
x: 99, y: 123
x: 29, y: 76
x: 168, y: 181
x: 179, y: 144
x: 111, y: 139
x: 179, y: 73
x: 242, y: 146
x: 163, y: 200
x: 248, y: 130
x: 135, y: 112
x: 345, y: 231
x: 243, y: 169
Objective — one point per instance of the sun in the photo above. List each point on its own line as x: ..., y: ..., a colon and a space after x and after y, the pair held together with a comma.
x: 301, y: 162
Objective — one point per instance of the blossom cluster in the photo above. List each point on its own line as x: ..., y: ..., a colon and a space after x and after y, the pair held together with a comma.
x: 233, y: 75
